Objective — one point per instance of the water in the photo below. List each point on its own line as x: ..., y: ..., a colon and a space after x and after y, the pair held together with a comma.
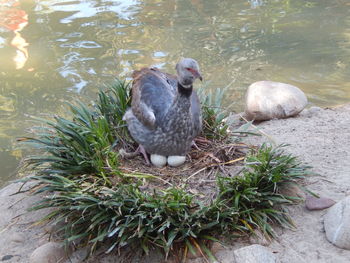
x: 57, y: 50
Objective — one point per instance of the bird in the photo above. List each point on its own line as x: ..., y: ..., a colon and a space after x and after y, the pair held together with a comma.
x: 165, y: 113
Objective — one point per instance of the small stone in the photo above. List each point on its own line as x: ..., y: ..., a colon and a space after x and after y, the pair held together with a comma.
x: 312, y: 111
x: 337, y: 224
x: 254, y: 254
x: 6, y: 257
x: 17, y: 237
x: 314, y: 203
x: 51, y: 252
x: 266, y: 100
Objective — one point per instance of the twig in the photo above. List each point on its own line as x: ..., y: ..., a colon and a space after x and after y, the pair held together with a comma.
x: 209, y: 181
x: 233, y: 161
x: 213, y: 165
x: 127, y: 155
x: 199, y: 249
x: 185, y: 255
x: 228, y: 85
x: 11, y: 224
x: 17, y: 202
x: 260, y: 131
x: 148, y: 175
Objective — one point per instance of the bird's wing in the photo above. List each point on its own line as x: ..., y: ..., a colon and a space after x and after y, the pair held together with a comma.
x: 196, y: 113
x: 152, y: 95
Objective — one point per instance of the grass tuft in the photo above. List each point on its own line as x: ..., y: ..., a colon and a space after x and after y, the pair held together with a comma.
x: 255, y: 192
x: 100, y: 203
x: 84, y: 144
x: 112, y: 104
x: 214, y: 115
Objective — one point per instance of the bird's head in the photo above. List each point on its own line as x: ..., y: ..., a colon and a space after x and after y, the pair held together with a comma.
x: 187, y: 71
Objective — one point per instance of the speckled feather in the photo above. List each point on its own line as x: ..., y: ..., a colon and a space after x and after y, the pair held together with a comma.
x: 163, y: 118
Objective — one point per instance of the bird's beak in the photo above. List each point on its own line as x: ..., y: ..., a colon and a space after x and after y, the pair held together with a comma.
x: 196, y: 74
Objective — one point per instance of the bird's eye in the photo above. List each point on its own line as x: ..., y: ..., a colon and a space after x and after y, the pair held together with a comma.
x: 189, y: 69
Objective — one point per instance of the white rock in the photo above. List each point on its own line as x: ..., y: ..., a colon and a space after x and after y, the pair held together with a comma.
x: 266, y: 100
x: 51, y: 252
x: 176, y: 160
x: 337, y: 224
x: 158, y: 160
x: 254, y: 254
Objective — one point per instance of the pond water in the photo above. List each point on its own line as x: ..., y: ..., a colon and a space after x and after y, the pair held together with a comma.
x: 52, y: 51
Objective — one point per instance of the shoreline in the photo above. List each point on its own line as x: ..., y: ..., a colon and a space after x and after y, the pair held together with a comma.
x: 318, y: 137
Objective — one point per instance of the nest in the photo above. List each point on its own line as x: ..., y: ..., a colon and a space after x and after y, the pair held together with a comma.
x: 198, y: 174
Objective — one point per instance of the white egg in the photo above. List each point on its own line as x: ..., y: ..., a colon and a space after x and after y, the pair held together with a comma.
x: 176, y: 160
x: 158, y: 160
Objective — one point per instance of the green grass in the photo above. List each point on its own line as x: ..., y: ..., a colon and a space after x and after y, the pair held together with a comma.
x: 255, y: 192
x: 101, y: 204
x: 83, y: 144
x: 214, y: 115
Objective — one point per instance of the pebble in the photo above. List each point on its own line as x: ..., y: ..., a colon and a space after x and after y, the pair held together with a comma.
x: 314, y: 203
x: 17, y: 237
x: 6, y: 257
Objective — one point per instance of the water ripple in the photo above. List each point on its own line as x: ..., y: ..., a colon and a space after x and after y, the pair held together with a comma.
x: 74, y: 70
x: 81, y: 44
x: 125, y: 9
x: 78, y: 46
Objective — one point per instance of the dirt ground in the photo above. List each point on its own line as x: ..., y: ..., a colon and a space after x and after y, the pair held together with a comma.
x: 320, y: 137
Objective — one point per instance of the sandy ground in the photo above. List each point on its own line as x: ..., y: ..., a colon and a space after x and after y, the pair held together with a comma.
x: 320, y: 137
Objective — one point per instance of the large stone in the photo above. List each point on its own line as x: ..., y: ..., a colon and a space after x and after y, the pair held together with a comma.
x: 266, y: 100
x: 254, y: 254
x: 337, y: 224
x: 51, y: 252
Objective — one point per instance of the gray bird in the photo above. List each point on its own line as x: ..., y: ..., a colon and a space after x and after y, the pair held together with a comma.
x: 165, y: 113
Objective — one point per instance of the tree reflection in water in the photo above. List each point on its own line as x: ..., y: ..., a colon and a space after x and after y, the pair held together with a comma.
x: 14, y: 19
